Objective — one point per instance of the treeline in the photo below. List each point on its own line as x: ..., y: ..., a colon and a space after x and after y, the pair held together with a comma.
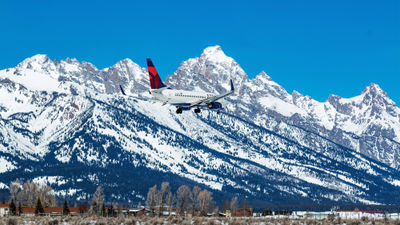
x: 30, y: 195
x: 99, y: 207
x: 184, y: 200
x: 160, y: 200
x: 27, y: 194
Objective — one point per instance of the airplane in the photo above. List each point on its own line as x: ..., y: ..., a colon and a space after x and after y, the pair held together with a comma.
x: 183, y: 100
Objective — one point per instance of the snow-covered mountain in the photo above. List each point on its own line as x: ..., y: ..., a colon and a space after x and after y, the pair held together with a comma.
x: 65, y: 123
x: 368, y: 123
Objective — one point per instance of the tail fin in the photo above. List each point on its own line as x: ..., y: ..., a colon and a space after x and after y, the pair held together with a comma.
x: 155, y: 80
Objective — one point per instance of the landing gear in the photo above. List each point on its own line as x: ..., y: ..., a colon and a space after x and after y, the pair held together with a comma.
x: 179, y: 110
x: 218, y: 112
x: 197, y: 110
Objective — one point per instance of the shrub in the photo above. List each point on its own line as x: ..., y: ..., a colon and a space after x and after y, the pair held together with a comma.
x: 12, y: 221
x: 211, y: 221
x: 198, y: 221
x: 354, y: 222
x: 131, y: 221
x: 364, y: 219
x: 52, y: 222
x: 396, y: 222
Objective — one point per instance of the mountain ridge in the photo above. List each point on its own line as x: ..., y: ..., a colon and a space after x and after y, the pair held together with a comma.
x: 267, y: 144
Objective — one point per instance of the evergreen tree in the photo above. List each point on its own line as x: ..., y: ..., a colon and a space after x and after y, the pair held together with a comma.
x: 103, y: 210
x: 19, y: 209
x: 39, y: 208
x: 13, y: 208
x: 65, y: 208
x: 112, y: 211
x: 94, y: 208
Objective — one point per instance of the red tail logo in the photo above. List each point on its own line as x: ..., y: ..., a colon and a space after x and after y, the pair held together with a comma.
x: 155, y: 81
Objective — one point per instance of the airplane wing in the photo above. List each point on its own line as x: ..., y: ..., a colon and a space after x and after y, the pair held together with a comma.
x: 212, y: 98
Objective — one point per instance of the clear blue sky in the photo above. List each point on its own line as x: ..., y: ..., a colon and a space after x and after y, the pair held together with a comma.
x: 315, y: 47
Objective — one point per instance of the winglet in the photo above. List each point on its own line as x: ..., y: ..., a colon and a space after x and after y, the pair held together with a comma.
x: 122, y: 90
x: 232, y: 88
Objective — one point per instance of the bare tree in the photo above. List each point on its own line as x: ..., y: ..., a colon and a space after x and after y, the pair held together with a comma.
x: 226, y: 205
x: 97, y: 201
x: 245, y: 204
x: 162, y: 195
x: 152, y: 198
x: 15, y: 188
x: 216, y: 210
x: 233, y: 205
x: 170, y: 202
x: 46, y: 194
x: 195, y: 199
x: 27, y: 194
x: 204, y: 202
x: 183, y: 198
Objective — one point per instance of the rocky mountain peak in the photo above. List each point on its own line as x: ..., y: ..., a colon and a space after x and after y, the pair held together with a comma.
x: 210, y: 72
x: 375, y: 90
x: 71, y: 61
x: 215, y: 54
x: 263, y: 76
x: 374, y: 95
x: 295, y: 96
x: 264, y: 85
x: 36, y: 62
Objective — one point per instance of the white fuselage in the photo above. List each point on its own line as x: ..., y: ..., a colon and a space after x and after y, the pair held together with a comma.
x: 178, y: 97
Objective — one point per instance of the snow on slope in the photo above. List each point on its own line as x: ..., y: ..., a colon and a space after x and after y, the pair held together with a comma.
x: 269, y: 143
x: 6, y: 165
x: 368, y: 123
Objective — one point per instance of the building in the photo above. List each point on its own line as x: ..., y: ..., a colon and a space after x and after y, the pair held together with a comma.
x: 358, y: 214
x: 136, y: 212
x: 51, y: 211
x: 319, y: 215
x: 244, y: 212
x: 3, y: 210
x: 57, y: 211
x: 27, y: 211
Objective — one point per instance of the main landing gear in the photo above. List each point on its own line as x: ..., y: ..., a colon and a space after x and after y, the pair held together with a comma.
x: 179, y: 110
x: 197, y: 110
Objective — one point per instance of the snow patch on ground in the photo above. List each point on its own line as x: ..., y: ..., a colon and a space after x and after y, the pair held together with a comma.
x: 49, y: 180
x: 280, y: 106
x: 5, y: 165
x: 3, y: 186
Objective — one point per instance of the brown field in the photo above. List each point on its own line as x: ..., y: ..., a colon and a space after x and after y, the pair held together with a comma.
x: 188, y: 221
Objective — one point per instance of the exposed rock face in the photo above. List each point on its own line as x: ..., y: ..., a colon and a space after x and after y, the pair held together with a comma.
x: 369, y: 123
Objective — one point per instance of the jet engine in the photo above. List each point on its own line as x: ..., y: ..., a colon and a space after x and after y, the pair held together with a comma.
x: 215, y: 105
